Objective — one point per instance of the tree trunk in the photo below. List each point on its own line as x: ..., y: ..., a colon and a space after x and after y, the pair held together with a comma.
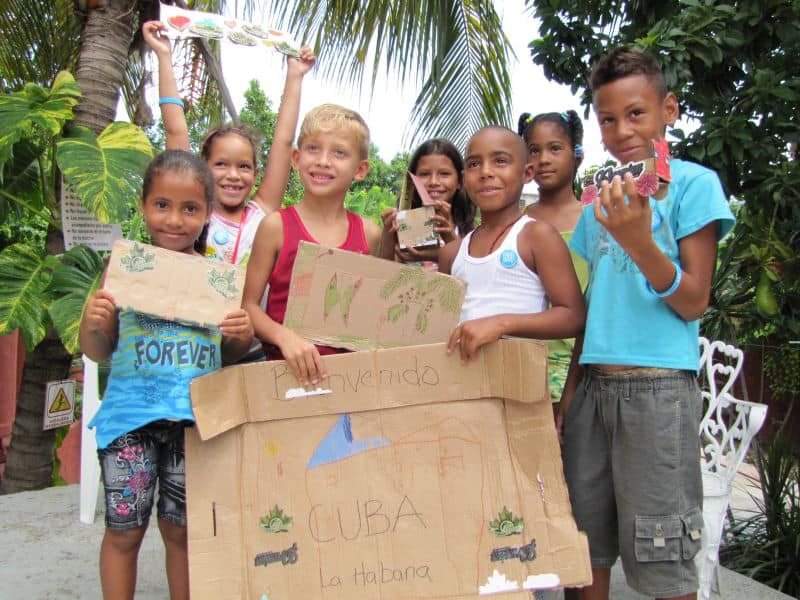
x: 106, y: 41
x: 30, y: 457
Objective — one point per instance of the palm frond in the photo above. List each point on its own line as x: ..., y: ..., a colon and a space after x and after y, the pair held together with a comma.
x: 39, y: 40
x: 456, y: 50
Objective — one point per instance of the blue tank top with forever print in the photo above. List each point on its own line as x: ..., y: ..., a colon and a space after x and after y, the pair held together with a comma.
x: 151, y: 369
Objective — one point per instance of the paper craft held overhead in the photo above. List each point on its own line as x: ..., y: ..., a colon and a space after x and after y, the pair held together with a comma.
x: 415, y: 477
x: 183, y: 24
x: 359, y: 302
x: 172, y: 285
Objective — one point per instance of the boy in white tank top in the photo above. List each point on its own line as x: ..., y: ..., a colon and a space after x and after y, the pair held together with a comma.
x: 519, y: 274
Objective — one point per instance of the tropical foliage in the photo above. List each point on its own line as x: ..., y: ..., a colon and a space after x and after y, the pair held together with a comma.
x: 103, y: 171
x: 457, y: 51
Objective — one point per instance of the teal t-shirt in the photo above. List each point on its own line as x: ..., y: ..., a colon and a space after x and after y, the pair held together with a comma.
x: 626, y: 324
x: 151, y: 369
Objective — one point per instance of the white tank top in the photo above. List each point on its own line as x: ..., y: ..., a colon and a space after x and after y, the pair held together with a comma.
x: 499, y: 283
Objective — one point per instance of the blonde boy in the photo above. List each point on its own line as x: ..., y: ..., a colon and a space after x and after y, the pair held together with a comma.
x: 332, y: 152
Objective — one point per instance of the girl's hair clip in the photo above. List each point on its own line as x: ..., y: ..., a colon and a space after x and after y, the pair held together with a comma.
x: 565, y: 116
x: 578, y: 151
x: 529, y: 119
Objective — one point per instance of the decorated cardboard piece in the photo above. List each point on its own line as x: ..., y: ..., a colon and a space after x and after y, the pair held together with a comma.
x: 359, y: 302
x: 173, y: 285
x: 412, y: 476
x: 183, y: 23
x: 650, y: 174
x: 416, y: 225
x: 415, y: 228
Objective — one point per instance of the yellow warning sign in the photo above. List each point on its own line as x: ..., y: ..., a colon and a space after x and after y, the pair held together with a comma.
x: 60, y: 402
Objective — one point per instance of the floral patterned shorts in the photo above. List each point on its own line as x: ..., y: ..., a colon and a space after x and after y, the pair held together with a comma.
x: 133, y: 463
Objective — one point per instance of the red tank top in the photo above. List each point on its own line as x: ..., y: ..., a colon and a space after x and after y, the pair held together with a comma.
x: 293, y: 232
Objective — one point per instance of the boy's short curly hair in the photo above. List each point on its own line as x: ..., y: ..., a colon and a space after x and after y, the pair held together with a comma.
x: 329, y: 117
x: 624, y: 62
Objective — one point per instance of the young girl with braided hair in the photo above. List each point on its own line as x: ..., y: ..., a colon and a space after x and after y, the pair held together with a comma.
x: 554, y: 141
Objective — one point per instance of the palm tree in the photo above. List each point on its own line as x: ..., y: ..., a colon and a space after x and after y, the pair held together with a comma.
x: 457, y: 50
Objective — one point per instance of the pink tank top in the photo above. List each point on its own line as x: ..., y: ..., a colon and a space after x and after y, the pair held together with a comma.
x: 293, y: 232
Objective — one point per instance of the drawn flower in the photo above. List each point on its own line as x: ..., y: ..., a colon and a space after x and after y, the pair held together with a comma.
x: 140, y: 480
x: 130, y: 453
x: 123, y: 509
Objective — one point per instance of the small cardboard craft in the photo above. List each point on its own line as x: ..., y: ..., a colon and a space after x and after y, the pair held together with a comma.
x: 415, y: 476
x: 649, y: 174
x: 172, y: 285
x: 415, y: 228
x: 395, y: 304
x: 183, y: 23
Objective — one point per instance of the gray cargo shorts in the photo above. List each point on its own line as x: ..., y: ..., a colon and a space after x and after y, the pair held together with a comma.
x: 632, y: 462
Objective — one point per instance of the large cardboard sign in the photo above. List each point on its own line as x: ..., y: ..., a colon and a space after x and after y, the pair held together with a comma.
x: 172, y: 285
x: 396, y: 305
x: 415, y: 477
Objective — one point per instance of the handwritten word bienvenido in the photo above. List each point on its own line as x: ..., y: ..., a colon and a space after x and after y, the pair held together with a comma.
x: 371, y: 520
x: 357, y: 379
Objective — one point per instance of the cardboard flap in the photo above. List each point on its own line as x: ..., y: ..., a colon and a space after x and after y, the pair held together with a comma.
x: 512, y: 369
x: 172, y: 285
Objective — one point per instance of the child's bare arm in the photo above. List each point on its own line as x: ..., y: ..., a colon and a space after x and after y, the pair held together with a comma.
x: 302, y: 355
x: 276, y: 174
x: 374, y: 235
x: 544, y: 251
x: 447, y: 255
x: 237, y: 335
x: 574, y: 375
x: 389, y: 234
x: 172, y: 114
x: 629, y: 224
x: 99, y: 326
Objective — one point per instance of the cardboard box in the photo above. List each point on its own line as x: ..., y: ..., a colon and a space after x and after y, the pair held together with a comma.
x: 415, y: 477
x: 396, y: 305
x: 173, y: 286
x: 415, y: 228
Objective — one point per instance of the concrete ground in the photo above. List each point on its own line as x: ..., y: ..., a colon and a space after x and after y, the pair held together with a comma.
x: 46, y: 553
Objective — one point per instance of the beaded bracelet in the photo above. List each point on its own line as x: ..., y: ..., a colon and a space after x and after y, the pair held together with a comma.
x: 169, y: 100
x: 673, y: 288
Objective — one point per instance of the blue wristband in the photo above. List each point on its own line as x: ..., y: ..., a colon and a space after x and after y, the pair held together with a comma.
x: 673, y: 288
x: 169, y: 100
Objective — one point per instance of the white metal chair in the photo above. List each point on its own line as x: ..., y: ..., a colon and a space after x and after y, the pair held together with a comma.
x: 90, y: 467
x: 726, y: 430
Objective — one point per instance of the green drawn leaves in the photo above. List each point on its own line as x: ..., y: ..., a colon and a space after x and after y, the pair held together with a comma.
x: 506, y: 524
x: 421, y: 289
x: 276, y: 521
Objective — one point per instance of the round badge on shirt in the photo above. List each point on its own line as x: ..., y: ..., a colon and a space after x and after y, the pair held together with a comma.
x: 221, y: 237
x: 508, y: 258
